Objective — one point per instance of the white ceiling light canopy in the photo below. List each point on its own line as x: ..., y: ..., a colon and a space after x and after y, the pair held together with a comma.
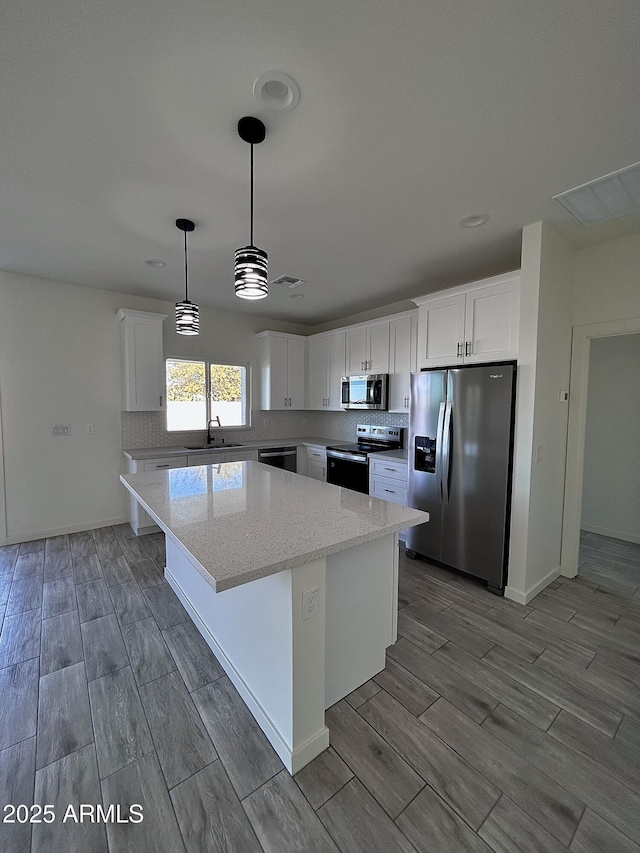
x: 276, y: 91
x: 613, y: 195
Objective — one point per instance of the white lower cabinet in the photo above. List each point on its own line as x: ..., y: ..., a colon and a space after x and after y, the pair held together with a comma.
x: 139, y: 519
x: 388, y: 481
x: 216, y: 457
x: 317, y: 463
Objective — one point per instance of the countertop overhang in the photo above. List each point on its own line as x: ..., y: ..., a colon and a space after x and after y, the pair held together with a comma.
x: 241, y: 521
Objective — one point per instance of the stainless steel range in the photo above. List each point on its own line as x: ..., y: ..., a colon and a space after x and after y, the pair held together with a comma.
x: 348, y: 464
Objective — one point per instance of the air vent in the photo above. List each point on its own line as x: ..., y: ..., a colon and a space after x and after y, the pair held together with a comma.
x: 288, y: 281
x: 609, y: 197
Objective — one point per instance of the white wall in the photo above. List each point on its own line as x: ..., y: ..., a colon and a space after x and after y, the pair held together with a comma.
x: 606, y: 281
x: 541, y: 419
x: 611, y: 488
x: 60, y: 363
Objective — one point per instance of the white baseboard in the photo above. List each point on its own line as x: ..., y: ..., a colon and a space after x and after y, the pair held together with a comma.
x: 525, y: 597
x: 293, y: 760
x: 15, y: 539
x: 613, y: 534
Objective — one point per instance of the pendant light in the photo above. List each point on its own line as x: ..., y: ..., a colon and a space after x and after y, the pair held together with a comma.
x: 187, y: 314
x: 251, y: 262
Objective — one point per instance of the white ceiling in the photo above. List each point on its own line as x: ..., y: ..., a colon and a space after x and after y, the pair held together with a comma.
x: 118, y: 116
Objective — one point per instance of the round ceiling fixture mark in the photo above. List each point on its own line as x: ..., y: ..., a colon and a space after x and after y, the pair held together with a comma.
x: 474, y: 220
x: 276, y: 91
x: 155, y: 262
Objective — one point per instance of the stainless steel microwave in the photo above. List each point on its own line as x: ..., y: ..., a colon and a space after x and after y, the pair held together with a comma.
x: 365, y: 391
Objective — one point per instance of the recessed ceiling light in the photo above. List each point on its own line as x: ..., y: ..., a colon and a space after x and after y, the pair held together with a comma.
x: 276, y: 91
x: 474, y: 220
x: 296, y: 296
x: 154, y: 262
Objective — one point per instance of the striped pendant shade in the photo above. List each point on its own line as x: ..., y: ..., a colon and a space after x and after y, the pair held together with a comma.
x: 251, y: 265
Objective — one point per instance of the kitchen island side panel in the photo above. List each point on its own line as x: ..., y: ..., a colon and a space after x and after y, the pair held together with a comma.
x: 274, y: 658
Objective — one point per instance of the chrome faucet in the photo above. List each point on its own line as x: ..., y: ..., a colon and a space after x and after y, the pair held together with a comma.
x: 210, y: 438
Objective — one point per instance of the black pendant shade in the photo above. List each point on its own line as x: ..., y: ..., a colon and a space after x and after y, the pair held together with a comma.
x: 251, y: 263
x: 187, y: 313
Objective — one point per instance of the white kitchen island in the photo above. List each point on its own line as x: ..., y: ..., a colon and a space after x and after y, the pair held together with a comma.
x: 292, y: 582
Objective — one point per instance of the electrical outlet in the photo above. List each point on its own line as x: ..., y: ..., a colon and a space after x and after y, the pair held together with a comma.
x: 265, y: 422
x: 310, y: 603
x: 61, y: 429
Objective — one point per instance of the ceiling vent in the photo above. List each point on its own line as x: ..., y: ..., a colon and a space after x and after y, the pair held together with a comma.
x: 288, y: 281
x: 614, y: 195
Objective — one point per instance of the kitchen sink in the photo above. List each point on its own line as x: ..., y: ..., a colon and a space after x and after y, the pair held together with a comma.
x: 210, y: 446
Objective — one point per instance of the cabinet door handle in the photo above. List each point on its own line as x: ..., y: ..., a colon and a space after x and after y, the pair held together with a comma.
x: 459, y: 352
x: 391, y: 469
x: 391, y: 491
x: 467, y: 347
x: 289, y: 401
x: 160, y: 400
x: 163, y: 466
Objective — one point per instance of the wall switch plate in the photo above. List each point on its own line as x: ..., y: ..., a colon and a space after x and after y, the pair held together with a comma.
x: 61, y: 429
x: 310, y: 603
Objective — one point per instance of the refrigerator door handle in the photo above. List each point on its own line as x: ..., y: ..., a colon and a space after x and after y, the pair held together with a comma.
x: 439, y: 436
x: 446, y: 453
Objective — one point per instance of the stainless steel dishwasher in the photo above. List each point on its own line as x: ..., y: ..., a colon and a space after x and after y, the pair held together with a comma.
x: 279, y: 457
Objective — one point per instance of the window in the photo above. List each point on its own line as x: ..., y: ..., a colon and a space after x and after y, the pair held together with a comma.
x: 198, y: 391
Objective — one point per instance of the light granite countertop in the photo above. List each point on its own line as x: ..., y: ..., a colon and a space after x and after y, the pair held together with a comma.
x: 240, y: 521
x: 180, y: 450
x: 399, y: 455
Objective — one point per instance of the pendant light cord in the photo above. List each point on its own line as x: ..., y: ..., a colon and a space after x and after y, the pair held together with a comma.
x: 251, y: 194
x: 186, y: 270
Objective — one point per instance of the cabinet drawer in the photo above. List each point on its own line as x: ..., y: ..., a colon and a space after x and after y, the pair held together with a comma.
x: 242, y: 456
x: 388, y: 490
x: 389, y: 469
x: 317, y: 454
x: 168, y: 462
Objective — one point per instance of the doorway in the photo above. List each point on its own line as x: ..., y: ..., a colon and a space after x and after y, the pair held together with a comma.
x: 610, y: 517
x: 599, y: 551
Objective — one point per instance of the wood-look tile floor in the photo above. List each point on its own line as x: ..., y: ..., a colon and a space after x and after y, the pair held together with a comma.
x: 493, y: 727
x: 610, y: 562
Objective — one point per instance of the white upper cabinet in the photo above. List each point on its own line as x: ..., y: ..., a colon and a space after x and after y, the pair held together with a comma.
x: 143, y: 361
x: 325, y: 369
x: 403, y: 334
x: 368, y: 348
x: 477, y: 322
x: 282, y: 370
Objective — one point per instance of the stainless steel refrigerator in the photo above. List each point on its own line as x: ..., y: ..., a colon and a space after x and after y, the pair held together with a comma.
x: 460, y: 458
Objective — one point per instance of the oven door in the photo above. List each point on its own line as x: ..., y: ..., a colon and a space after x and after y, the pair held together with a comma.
x: 348, y: 472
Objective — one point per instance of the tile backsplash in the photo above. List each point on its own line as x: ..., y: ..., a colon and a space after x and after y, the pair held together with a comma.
x: 148, y: 429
